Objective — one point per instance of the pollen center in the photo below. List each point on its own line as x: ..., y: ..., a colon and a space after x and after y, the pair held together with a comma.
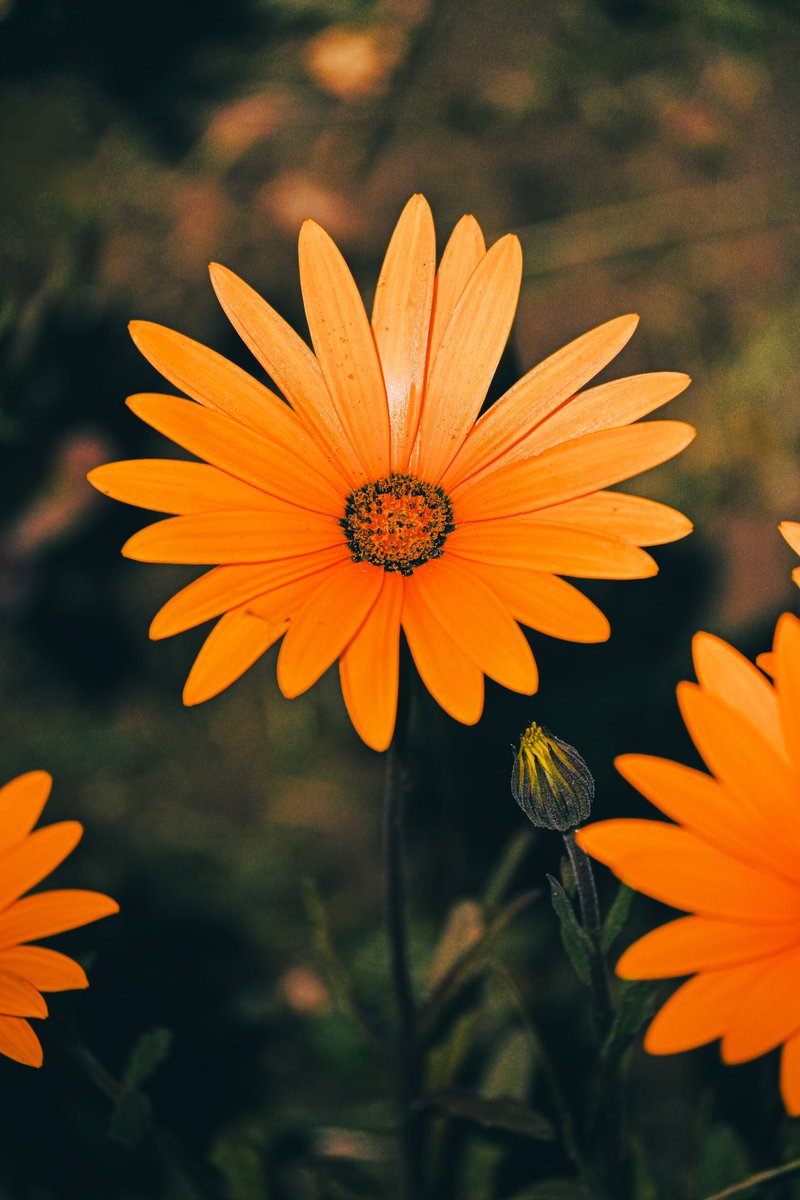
x: 397, y: 522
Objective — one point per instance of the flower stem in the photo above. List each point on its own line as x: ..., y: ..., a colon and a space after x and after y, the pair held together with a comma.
x: 775, y: 1175
x: 408, y: 1061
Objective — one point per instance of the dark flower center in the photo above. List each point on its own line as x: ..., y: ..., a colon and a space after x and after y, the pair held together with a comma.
x: 397, y: 522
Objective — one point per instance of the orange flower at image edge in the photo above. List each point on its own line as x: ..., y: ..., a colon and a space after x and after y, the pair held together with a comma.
x: 791, y: 531
x: 374, y: 500
x: 733, y: 861
x: 25, y: 859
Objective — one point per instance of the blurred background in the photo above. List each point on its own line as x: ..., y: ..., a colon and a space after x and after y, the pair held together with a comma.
x: 646, y: 153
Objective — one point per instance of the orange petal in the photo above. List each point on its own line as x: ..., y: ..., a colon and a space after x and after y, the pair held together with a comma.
x: 749, y: 766
x: 369, y: 667
x: 169, y: 486
x: 224, y: 443
x: 787, y: 671
x: 768, y: 1012
x: 609, y: 406
x: 697, y: 944
x: 463, y: 252
x: 536, y: 395
x: 791, y: 531
x: 577, y: 468
x: 453, y: 680
x: 790, y: 1075
x: 546, y: 603
x: 699, y: 1011
x: 766, y: 662
x: 21, y: 804
x: 705, y: 806
x: 476, y: 620
x: 47, y: 970
x: 19, y: 998
x: 726, y: 673
x: 234, y: 644
x: 674, y: 866
x: 291, y: 364
x: 632, y: 518
x: 18, y: 1041
x: 230, y: 586
x: 401, y: 318
x: 327, y: 622
x: 234, y: 537
x: 467, y: 357
x: 28, y: 862
x: 345, y: 348
x: 543, y: 546
x: 47, y: 913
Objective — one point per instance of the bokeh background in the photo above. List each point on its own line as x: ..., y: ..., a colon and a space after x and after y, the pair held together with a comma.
x: 646, y: 153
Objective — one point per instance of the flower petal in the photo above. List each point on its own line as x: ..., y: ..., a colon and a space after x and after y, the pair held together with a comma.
x: 790, y: 1075
x: 171, y: 486
x: 453, y: 680
x: 52, y: 912
x: 536, y: 395
x: 543, y: 546
x: 787, y: 673
x: 546, y: 603
x: 19, y: 1042
x: 290, y: 363
x: 727, y: 674
x: 234, y: 537
x: 345, y: 348
x: 21, y: 804
x: 463, y: 252
x: 467, y: 358
x: 46, y: 969
x: 327, y: 622
x: 676, y: 867
x: 698, y: 944
x: 28, y: 862
x: 700, y: 1010
x: 618, y: 514
x: 19, y: 998
x: 267, y: 465
x: 230, y: 586
x: 577, y: 468
x: 768, y: 1012
x: 369, y: 667
x: 791, y: 531
x: 401, y: 318
x: 234, y: 644
x: 476, y: 620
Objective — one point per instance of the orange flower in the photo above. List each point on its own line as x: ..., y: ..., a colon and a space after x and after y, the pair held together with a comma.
x: 733, y: 861
x: 791, y: 531
x: 25, y: 859
x: 374, y: 500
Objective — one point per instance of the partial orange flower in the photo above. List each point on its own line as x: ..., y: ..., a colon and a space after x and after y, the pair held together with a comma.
x: 376, y: 498
x: 25, y: 859
x: 732, y: 861
x: 791, y: 531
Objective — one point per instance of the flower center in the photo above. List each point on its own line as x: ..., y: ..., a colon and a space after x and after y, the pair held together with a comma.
x: 397, y: 522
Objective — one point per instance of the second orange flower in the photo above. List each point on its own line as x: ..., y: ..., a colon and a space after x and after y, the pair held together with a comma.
x: 373, y: 498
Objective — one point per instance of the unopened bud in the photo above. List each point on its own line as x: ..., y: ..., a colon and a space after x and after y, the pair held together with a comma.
x: 550, y: 781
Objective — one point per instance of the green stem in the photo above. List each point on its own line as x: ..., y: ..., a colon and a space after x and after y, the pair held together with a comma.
x: 767, y: 1177
x: 408, y: 1059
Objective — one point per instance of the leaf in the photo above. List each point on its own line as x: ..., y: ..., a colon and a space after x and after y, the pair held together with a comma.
x: 131, y: 1119
x: 574, y: 937
x: 504, y: 1113
x: 507, y: 867
x: 148, y: 1054
x: 568, y: 880
x: 617, y: 916
x: 635, y: 1001
x: 463, y: 928
x: 239, y: 1164
x: 721, y: 1160
x: 132, y: 1114
x: 510, y: 1072
x: 554, y: 1189
x: 338, y: 978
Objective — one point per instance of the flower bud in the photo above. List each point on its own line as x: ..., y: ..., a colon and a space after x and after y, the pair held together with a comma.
x: 550, y: 781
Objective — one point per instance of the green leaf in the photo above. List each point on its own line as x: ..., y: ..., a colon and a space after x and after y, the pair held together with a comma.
x: 568, y: 880
x: 554, y: 1189
x: 239, y: 1164
x: 148, y: 1054
x: 721, y: 1161
x: 463, y: 928
x: 504, y: 1112
x: 510, y: 1071
x: 574, y: 937
x: 131, y: 1119
x: 507, y: 867
x: 617, y: 916
x: 634, y: 1003
x: 337, y: 975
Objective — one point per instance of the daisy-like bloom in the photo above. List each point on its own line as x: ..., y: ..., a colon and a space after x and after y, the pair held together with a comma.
x: 791, y: 531
x: 732, y: 861
x: 25, y: 859
x: 373, y: 498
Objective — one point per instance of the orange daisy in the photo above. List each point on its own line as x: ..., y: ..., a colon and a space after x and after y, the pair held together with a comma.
x: 25, y: 859
x: 732, y: 861
x: 373, y: 498
x: 791, y: 531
